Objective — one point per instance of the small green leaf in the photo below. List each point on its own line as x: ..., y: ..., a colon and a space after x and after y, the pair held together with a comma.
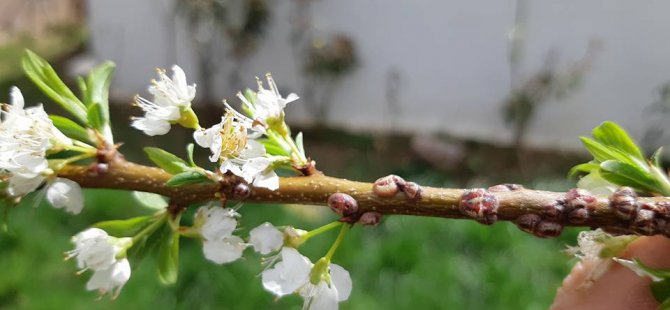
x: 189, y: 155
x: 187, y: 177
x: 167, y: 161
x: 168, y: 256
x: 661, y: 292
x: 98, y: 82
x: 95, y: 116
x: 611, y: 134
x: 124, y: 228
x: 150, y: 200
x: 583, y: 168
x: 623, y: 174
x: 70, y: 129
x: 603, y: 152
x: 44, y: 76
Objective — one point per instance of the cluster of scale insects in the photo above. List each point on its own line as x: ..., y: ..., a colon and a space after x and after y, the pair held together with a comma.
x: 574, y: 208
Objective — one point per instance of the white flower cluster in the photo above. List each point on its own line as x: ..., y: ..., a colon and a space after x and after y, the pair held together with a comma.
x: 291, y: 273
x: 232, y: 140
x: 269, y: 104
x: 97, y: 251
x: 171, y: 97
x: 26, y: 136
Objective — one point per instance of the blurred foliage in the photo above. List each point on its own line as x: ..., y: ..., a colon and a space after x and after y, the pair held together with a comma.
x: 59, y: 42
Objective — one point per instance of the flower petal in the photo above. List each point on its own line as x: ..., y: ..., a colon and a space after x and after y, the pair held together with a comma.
x: 288, y: 275
x: 64, y: 193
x: 266, y: 238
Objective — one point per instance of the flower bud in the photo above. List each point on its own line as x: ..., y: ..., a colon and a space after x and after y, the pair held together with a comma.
x: 371, y: 218
x: 624, y: 203
x: 241, y: 191
x: 480, y: 205
x: 388, y: 186
x: 528, y: 222
x: 342, y: 204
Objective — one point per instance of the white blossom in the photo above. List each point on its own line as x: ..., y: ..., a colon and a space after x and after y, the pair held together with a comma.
x: 266, y: 238
x: 219, y: 222
x: 288, y: 275
x: 269, y: 104
x: 26, y: 135
x: 216, y: 228
x: 233, y: 146
x: 292, y: 275
x: 110, y: 280
x: 226, y: 250
x: 326, y: 296
x: 64, y: 193
x: 97, y: 251
x: 589, y: 250
x: 171, y: 97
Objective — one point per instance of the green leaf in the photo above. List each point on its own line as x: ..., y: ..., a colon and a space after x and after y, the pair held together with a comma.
x: 95, y: 116
x: 624, y: 174
x: 187, y: 177
x: 44, y: 76
x: 189, y: 155
x: 603, y: 152
x: 168, y: 256
x: 124, y: 228
x: 167, y: 161
x: 98, y: 82
x: 583, y: 168
x: 661, y: 292
x: 70, y: 129
x: 150, y: 200
x: 611, y: 134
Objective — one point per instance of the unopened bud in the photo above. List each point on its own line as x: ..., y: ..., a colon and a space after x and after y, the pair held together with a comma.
x: 480, y: 205
x: 388, y: 186
x: 624, y: 203
x: 371, y: 218
x: 342, y: 204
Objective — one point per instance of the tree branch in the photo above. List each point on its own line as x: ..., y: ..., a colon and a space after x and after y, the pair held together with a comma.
x: 542, y: 213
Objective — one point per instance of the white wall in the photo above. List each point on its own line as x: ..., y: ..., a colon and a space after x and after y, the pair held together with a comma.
x: 452, y: 56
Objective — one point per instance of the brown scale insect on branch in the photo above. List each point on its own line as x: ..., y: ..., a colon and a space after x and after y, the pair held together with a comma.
x: 541, y: 213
